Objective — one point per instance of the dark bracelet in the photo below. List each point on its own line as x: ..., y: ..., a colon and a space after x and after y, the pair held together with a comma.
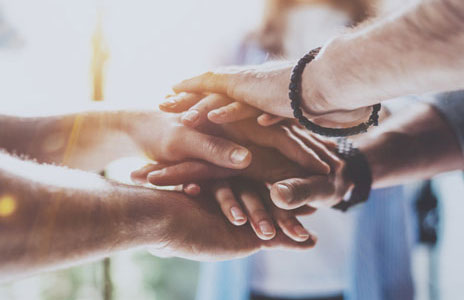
x: 296, y: 99
x: 357, y: 169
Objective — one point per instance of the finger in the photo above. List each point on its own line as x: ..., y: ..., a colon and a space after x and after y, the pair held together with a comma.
x: 191, y: 171
x: 198, y: 113
x: 259, y: 217
x: 282, y: 139
x: 228, y: 203
x: 305, y: 210
x: 268, y: 119
x: 215, y: 150
x: 290, y: 224
x: 208, y: 82
x: 286, y: 219
x: 295, y: 149
x: 233, y: 112
x: 192, y: 189
x: 296, y: 192
x: 140, y: 176
x: 284, y: 242
x: 318, y: 146
x: 180, y: 102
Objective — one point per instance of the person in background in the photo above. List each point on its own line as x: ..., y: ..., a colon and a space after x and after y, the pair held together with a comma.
x: 417, y: 50
x: 332, y: 270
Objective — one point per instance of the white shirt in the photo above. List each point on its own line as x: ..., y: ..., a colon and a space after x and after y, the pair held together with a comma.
x: 320, y: 271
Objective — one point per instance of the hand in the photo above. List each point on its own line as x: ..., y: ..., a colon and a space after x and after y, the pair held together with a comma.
x: 162, y: 137
x: 237, y: 194
x: 217, y: 108
x: 196, y: 230
x: 315, y: 191
x: 266, y: 88
x: 239, y: 198
x: 268, y: 165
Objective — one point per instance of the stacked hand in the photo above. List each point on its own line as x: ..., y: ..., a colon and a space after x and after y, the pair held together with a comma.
x: 252, y: 90
x: 290, y: 172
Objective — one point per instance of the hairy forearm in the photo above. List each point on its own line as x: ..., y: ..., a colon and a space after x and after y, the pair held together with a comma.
x: 416, y: 144
x: 414, y: 52
x: 57, y: 217
x: 87, y: 140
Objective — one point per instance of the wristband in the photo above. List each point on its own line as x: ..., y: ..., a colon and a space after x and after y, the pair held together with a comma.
x: 296, y: 99
x: 357, y: 169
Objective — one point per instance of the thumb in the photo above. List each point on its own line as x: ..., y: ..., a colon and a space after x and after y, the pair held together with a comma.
x: 296, y: 192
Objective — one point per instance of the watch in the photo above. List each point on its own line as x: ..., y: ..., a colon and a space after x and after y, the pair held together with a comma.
x: 357, y: 169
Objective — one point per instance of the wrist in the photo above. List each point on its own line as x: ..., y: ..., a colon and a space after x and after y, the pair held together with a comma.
x: 356, y: 171
x: 324, y: 78
x: 146, y: 217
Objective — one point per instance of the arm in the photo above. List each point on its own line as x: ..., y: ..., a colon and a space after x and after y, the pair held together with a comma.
x: 415, y: 52
x: 89, y: 140
x: 413, y: 145
x: 83, y: 140
x: 52, y: 217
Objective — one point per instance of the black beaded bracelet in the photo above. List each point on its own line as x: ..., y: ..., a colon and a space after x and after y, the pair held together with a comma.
x: 296, y: 99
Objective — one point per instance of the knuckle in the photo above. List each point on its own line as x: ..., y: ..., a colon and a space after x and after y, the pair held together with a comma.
x: 301, y: 191
x: 259, y: 214
x: 171, y: 145
x: 214, y: 146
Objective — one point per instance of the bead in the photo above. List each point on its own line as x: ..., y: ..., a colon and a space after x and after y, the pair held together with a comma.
x: 295, y: 96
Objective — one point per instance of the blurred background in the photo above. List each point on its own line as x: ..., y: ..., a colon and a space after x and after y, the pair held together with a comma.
x: 60, y: 55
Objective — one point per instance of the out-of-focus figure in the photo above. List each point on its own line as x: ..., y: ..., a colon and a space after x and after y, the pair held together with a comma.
x: 9, y: 38
x: 353, y: 259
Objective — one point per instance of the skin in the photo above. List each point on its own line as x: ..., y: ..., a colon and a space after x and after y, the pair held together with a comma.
x: 276, y: 166
x: 40, y: 233
x: 86, y: 140
x: 412, y: 145
x: 375, y: 62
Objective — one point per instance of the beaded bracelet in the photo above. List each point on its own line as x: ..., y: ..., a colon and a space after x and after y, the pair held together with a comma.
x: 296, y: 99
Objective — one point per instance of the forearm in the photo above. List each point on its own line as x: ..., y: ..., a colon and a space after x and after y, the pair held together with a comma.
x: 416, y: 144
x: 70, y: 216
x: 87, y: 140
x: 415, y: 52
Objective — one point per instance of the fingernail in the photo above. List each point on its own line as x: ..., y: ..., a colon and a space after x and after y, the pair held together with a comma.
x: 266, y: 228
x: 217, y: 112
x: 191, y: 116
x: 301, y: 231
x: 137, y: 180
x: 170, y: 103
x: 154, y: 174
x: 238, y: 155
x: 193, y: 189
x: 237, y: 214
x: 285, y: 192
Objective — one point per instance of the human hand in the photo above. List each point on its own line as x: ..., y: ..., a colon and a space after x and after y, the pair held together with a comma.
x: 268, y: 165
x: 217, y: 108
x: 238, y: 195
x: 315, y: 191
x: 196, y: 230
x: 266, y: 88
x: 162, y: 137
x: 240, y: 198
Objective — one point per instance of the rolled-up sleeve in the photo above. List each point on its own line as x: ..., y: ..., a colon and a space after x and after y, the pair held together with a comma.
x: 451, y: 106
